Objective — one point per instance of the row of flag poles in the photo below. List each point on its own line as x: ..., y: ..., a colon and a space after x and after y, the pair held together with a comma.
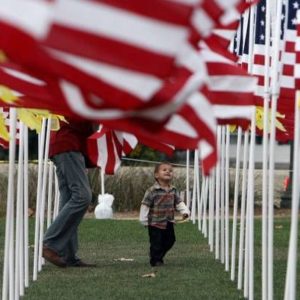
x: 168, y: 75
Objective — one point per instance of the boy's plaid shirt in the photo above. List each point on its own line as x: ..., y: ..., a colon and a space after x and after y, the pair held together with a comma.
x: 162, y: 204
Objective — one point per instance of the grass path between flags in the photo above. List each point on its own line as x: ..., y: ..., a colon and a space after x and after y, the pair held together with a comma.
x: 190, y: 270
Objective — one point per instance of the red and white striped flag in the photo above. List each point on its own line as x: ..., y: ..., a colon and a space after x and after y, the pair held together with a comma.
x: 106, y: 147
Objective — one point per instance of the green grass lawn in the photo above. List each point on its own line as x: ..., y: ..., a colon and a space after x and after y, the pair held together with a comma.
x: 190, y: 270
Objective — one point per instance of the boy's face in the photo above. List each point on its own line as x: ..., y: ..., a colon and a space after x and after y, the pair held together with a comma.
x: 164, y: 173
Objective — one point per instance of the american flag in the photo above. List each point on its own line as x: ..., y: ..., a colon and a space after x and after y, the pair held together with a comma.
x: 288, y: 78
x: 289, y: 55
x: 230, y: 89
x: 106, y: 147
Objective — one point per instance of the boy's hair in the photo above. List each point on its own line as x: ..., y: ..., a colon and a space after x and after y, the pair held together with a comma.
x: 160, y: 164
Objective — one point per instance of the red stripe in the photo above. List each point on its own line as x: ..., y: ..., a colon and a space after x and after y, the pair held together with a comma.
x: 25, y: 87
x: 288, y: 70
x: 110, y: 51
x: 231, y: 98
x: 287, y: 92
x: 259, y: 59
x: 156, y: 145
x: 209, y: 162
x: 204, y: 131
x: 290, y: 47
x: 212, y: 9
x: 111, y: 159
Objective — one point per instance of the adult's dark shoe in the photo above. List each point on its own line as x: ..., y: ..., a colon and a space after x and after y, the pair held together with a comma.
x: 157, y: 264
x: 53, y: 257
x: 81, y: 264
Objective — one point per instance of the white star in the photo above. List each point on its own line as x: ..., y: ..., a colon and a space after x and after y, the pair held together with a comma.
x: 294, y: 21
x: 263, y: 8
x: 262, y: 23
x: 296, y: 5
x: 262, y: 37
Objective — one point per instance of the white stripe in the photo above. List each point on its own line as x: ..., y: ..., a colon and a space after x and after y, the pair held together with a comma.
x: 232, y: 83
x: 287, y: 82
x: 180, y: 125
x: 205, y: 149
x: 297, y: 45
x: 297, y: 71
x: 260, y: 91
x: 230, y: 16
x: 139, y: 84
x: 290, y: 35
x: 202, y: 22
x: 31, y: 16
x: 102, y: 154
x: 117, y: 159
x: 163, y: 111
x: 23, y: 76
x: 191, y: 59
x: 77, y: 104
x: 121, y: 25
x: 203, y: 109
x: 130, y: 139
x: 258, y: 70
x: 288, y: 58
x: 211, y: 56
x: 232, y: 112
x: 224, y: 33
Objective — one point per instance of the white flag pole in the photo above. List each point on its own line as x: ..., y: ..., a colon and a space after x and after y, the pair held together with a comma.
x: 227, y: 198
x: 193, y: 213
x: 265, y: 153
x: 235, y: 203
x: 8, y: 265
x: 211, y: 209
x: 205, y: 195
x: 291, y: 273
x: 223, y: 195
x: 43, y: 193
x: 19, y: 283
x: 188, y: 198
x: 102, y: 181
x: 198, y: 187
x: 243, y: 208
x: 26, y: 228
x: 275, y: 93
x: 250, y: 202
x: 217, y: 235
x: 38, y: 199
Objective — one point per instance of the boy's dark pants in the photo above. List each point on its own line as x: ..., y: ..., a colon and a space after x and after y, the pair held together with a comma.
x: 161, y: 241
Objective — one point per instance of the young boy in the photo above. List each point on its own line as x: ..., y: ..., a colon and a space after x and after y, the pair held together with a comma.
x: 157, y: 212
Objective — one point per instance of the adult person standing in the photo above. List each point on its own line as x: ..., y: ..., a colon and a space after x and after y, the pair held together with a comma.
x: 68, y: 148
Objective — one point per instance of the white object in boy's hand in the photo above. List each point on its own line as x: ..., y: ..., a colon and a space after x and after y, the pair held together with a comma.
x: 104, y: 210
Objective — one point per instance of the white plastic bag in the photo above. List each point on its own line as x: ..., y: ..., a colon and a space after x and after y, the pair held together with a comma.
x: 104, y: 208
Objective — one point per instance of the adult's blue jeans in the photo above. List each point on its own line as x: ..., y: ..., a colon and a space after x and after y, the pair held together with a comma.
x: 75, y: 196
